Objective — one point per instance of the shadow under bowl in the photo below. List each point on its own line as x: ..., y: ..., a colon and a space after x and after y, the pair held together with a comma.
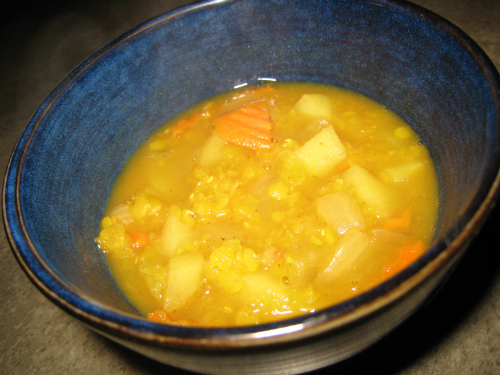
x: 67, y: 159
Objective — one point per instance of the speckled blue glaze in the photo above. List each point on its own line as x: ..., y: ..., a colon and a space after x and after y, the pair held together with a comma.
x: 66, y: 161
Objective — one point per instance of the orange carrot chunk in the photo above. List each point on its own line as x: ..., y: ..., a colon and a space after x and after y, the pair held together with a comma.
x: 256, y: 111
x: 399, y: 223
x: 246, y: 119
x: 408, y: 254
x: 244, y: 136
x: 184, y: 125
x: 139, y: 239
x: 160, y: 316
x: 247, y: 126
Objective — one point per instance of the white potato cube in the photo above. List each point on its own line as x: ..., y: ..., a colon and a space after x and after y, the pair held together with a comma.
x: 264, y: 288
x: 350, y: 247
x: 184, y: 279
x: 341, y: 211
x: 211, y: 152
x: 369, y: 191
x: 322, y: 153
x: 403, y: 172
x: 315, y: 105
x: 174, y: 234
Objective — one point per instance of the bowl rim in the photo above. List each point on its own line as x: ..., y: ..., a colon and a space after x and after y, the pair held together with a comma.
x: 116, y: 322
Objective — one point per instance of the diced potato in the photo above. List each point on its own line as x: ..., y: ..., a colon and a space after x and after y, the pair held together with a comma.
x: 344, y: 255
x: 175, y: 233
x: 315, y: 105
x: 369, y: 191
x: 122, y: 213
x: 211, y: 153
x: 184, y: 279
x: 262, y: 287
x: 156, y: 277
x: 340, y: 210
x: 403, y: 172
x: 322, y: 153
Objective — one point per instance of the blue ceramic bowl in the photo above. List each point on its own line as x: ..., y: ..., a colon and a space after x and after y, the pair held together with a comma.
x: 67, y: 159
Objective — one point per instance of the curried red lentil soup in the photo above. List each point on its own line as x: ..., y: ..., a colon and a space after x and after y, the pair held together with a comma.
x: 266, y: 203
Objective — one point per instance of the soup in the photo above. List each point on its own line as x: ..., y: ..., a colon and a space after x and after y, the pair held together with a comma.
x: 266, y: 203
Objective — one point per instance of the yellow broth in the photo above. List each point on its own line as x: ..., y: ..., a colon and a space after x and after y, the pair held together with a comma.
x: 205, y: 227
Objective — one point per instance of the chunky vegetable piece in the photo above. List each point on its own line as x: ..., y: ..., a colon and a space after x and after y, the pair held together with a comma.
x: 268, y: 203
x: 211, y: 153
x: 372, y: 193
x: 341, y: 211
x: 314, y: 105
x: 184, y: 279
x: 348, y: 250
x: 247, y: 126
x: 322, y: 153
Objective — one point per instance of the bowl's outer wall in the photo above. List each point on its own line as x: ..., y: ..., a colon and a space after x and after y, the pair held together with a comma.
x: 78, y: 141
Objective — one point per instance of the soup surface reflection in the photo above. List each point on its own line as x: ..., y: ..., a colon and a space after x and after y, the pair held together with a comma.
x: 268, y: 202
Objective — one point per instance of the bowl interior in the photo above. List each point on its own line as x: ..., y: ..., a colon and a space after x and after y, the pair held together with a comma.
x: 76, y: 144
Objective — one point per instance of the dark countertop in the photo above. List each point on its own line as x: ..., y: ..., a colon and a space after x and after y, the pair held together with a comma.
x: 458, y: 332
